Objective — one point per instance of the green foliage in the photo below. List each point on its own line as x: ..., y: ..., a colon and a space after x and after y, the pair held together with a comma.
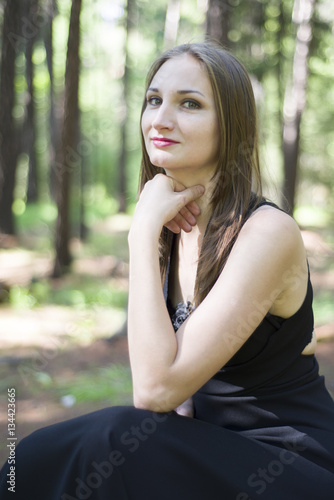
x: 21, y: 298
x: 312, y: 216
x: 98, y: 203
x: 78, y: 292
x: 35, y: 215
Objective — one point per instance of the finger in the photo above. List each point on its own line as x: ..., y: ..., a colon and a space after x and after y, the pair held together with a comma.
x: 184, y: 220
x: 177, y: 186
x: 172, y: 226
x: 196, y: 190
x: 177, y: 223
x: 193, y: 208
x: 182, y: 223
x: 188, y: 216
x: 185, y: 410
x: 190, y: 194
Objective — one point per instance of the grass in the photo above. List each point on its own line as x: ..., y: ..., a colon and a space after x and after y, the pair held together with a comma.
x: 111, y: 383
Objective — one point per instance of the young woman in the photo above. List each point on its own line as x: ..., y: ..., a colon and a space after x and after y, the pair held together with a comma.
x: 228, y: 402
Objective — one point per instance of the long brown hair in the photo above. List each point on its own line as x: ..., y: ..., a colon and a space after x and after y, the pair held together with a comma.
x: 237, y: 178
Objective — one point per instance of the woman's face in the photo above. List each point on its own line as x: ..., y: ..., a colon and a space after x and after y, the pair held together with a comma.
x: 180, y: 123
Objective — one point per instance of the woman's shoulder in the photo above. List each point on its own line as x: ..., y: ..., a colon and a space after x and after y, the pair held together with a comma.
x: 269, y: 220
x: 274, y: 237
x: 269, y: 239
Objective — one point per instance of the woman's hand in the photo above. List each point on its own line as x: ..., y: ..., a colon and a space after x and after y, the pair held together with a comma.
x: 186, y: 409
x: 166, y: 202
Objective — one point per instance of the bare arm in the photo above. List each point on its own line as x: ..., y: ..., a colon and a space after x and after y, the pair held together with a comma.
x: 152, y: 341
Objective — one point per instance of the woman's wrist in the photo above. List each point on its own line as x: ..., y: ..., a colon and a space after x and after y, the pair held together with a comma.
x: 145, y: 230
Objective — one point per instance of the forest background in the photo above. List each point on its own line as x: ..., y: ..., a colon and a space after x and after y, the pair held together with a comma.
x: 71, y: 88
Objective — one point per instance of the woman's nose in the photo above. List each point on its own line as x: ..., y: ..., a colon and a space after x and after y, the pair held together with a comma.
x: 164, y: 118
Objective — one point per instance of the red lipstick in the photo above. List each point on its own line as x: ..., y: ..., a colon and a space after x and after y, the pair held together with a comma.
x: 162, y: 142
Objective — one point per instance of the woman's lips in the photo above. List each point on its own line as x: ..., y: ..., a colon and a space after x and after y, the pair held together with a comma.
x: 162, y: 142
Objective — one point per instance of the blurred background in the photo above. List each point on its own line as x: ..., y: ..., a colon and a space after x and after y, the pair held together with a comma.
x: 72, y: 76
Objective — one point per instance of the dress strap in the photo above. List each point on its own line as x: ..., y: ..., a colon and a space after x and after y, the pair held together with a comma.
x: 264, y: 202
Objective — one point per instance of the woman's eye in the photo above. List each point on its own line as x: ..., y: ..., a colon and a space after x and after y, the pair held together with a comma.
x: 189, y: 104
x: 154, y: 101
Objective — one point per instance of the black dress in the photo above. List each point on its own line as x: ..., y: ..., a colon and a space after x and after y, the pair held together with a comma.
x: 263, y: 429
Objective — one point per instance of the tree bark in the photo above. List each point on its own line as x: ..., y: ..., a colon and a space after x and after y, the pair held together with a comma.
x: 122, y: 186
x: 8, y: 137
x: 54, y: 120
x: 295, y: 99
x: 217, y: 21
x: 69, y: 159
x: 29, y: 134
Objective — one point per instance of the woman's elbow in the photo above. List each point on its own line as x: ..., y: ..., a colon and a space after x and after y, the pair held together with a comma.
x: 151, y: 400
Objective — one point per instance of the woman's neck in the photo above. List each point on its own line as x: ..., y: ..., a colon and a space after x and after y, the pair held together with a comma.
x: 204, y: 202
x: 187, y: 245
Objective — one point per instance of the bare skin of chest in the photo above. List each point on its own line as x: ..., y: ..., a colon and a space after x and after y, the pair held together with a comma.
x: 183, y: 272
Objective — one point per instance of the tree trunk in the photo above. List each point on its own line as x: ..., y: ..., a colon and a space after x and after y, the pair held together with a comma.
x: 69, y: 159
x: 217, y: 21
x: 122, y: 187
x: 54, y: 120
x: 171, y: 23
x: 83, y: 230
x: 295, y: 99
x: 29, y: 136
x: 8, y: 137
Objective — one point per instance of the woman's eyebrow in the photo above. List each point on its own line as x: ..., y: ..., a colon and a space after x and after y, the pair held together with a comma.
x: 188, y: 91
